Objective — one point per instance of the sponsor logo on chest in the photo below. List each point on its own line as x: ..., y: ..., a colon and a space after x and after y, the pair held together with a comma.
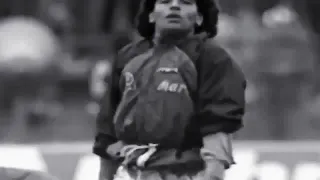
x: 167, y: 86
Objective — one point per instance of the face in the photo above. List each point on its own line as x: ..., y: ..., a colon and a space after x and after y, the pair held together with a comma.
x: 175, y: 15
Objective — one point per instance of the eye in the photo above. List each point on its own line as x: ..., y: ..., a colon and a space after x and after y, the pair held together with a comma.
x: 181, y: 1
x: 163, y: 1
x: 188, y: 1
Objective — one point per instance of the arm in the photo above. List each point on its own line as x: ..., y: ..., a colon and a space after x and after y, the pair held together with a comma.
x: 104, y: 122
x: 105, y: 139
x: 221, y: 102
x: 105, y: 134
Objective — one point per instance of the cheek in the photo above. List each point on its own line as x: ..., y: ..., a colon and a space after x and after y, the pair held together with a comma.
x: 192, y: 17
x: 159, y: 13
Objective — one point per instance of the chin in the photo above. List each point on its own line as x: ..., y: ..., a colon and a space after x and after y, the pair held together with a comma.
x: 175, y: 28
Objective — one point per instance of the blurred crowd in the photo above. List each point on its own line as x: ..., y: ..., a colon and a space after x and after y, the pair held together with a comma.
x: 55, y: 54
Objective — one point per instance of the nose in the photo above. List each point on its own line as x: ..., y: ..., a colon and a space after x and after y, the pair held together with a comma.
x: 175, y: 5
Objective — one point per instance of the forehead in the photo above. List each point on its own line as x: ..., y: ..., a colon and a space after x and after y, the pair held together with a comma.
x: 185, y: 5
x: 168, y: 1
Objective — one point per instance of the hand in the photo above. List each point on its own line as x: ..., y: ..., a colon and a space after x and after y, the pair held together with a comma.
x: 114, y: 149
x: 214, y: 171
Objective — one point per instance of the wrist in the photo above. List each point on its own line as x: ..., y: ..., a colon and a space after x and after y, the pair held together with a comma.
x: 218, y: 147
x: 102, y: 142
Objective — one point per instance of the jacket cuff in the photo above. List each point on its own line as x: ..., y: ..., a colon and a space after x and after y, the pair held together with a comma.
x: 226, y: 127
x: 102, y: 141
x: 218, y: 146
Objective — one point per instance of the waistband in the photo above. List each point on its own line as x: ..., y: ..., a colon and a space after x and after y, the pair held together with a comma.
x: 152, y: 156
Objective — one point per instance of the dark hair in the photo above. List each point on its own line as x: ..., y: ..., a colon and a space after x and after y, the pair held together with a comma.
x: 312, y: 15
x: 208, y: 9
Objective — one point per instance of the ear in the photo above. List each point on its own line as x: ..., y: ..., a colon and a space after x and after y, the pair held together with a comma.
x: 199, y: 19
x: 151, y: 18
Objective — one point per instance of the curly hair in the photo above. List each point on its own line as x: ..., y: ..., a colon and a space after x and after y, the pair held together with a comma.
x: 207, y: 8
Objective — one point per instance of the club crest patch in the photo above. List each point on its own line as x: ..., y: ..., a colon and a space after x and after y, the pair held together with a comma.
x: 129, y: 81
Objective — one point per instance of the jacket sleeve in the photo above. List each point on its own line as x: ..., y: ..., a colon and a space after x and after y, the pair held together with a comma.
x: 221, y: 93
x: 104, y: 123
x: 105, y: 134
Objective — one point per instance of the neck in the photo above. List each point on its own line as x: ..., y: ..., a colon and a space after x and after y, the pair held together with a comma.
x: 171, y: 37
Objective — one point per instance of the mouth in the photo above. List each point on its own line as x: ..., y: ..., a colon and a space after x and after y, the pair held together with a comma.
x: 173, y: 16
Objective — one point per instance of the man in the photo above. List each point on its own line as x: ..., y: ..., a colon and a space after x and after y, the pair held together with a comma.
x: 175, y: 98
x: 29, y: 78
